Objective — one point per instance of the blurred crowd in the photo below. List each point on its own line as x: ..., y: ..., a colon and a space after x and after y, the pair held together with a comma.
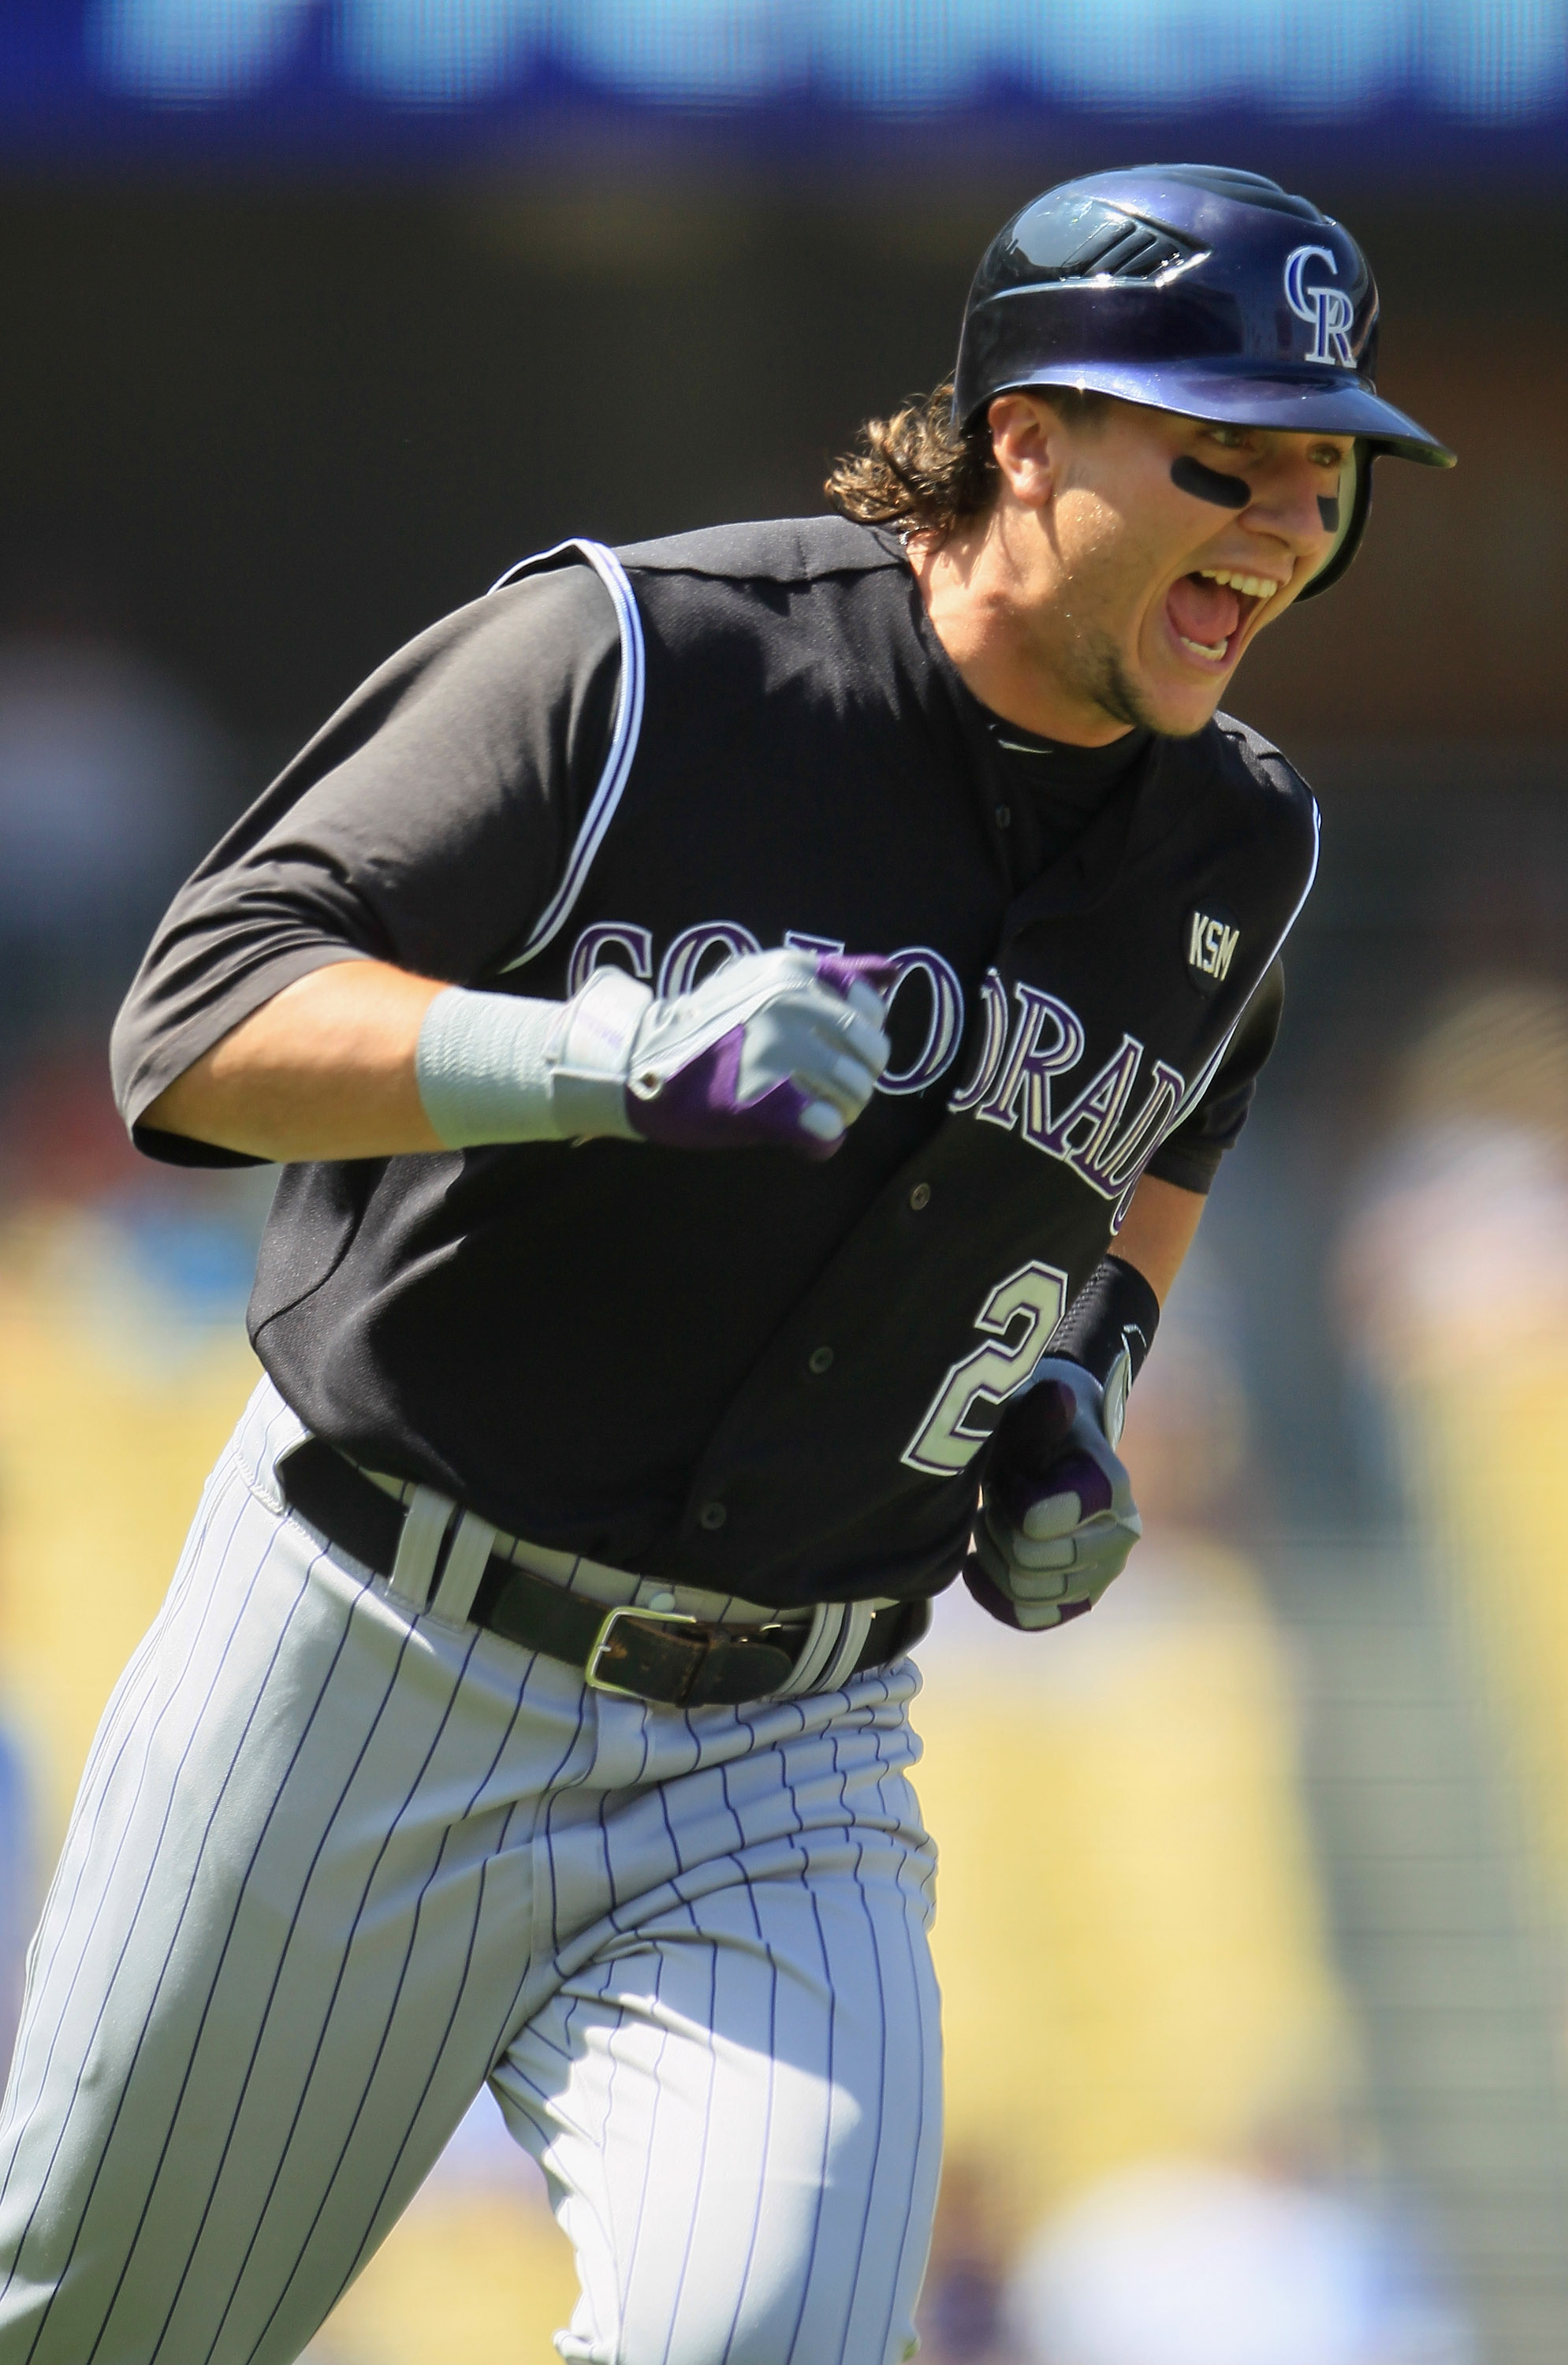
x: 118, y: 1280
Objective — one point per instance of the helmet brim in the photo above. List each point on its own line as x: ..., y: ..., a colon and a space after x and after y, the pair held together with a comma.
x: 1295, y: 402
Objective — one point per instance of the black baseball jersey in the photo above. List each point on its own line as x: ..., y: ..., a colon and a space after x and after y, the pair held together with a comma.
x: 752, y: 1371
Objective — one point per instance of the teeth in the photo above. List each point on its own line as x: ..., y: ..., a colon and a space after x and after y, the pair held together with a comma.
x: 1202, y: 648
x: 1256, y: 586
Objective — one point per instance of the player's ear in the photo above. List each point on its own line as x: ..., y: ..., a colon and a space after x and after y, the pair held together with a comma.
x: 1026, y: 437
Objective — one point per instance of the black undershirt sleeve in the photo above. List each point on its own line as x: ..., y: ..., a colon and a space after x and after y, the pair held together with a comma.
x: 425, y: 826
x: 1190, y: 1155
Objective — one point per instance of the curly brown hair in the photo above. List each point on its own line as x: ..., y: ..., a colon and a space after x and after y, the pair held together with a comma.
x: 920, y: 474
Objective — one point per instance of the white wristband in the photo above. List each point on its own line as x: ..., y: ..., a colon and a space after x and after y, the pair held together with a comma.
x: 496, y: 1068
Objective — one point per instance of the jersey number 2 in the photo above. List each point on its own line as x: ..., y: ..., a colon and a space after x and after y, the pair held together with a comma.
x: 1020, y: 1313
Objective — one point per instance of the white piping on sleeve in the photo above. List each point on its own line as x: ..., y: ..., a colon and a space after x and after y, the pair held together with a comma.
x: 623, y: 740
x: 1300, y: 904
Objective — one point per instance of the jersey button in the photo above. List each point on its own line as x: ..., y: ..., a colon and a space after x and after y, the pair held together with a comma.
x: 920, y: 1196
x: 1003, y: 816
x: 712, y: 1516
x: 820, y: 1360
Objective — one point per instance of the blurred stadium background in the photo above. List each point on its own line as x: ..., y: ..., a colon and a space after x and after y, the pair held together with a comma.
x: 1255, y: 1897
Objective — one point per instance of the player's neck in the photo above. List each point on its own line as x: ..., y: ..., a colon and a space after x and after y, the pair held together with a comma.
x: 998, y: 623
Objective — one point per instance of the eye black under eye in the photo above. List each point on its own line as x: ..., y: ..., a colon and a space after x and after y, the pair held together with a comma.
x: 1205, y: 484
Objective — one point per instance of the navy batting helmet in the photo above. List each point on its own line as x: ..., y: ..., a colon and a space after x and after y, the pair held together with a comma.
x: 1197, y: 289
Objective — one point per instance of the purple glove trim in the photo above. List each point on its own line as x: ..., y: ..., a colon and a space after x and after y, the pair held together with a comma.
x: 1013, y: 1494
x: 996, y: 1604
x: 841, y: 970
x: 700, y: 1108
x: 1031, y: 1459
x: 1034, y: 1428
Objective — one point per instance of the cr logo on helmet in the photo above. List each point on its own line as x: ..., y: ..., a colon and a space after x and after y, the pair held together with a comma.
x: 1330, y: 310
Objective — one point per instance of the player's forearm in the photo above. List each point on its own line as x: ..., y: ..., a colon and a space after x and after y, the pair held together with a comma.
x: 360, y: 1060
x: 324, y: 1070
x: 1159, y: 1229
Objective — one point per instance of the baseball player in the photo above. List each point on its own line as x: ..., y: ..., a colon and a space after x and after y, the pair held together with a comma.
x: 748, y: 1022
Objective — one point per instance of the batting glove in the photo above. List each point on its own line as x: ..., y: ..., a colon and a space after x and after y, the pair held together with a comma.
x: 783, y: 1047
x: 1057, y: 1517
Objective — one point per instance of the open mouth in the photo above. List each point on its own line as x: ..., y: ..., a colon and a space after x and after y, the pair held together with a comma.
x: 1210, y: 608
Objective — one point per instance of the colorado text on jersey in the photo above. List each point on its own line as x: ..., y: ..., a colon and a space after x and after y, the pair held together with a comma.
x: 1103, y: 1141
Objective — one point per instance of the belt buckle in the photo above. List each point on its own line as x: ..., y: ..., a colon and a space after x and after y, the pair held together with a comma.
x: 601, y: 1641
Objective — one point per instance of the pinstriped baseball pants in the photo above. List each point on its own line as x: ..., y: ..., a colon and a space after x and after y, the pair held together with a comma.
x: 332, y: 1865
